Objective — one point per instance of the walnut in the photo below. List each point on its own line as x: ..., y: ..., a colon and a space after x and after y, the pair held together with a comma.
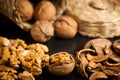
x: 24, y: 9
x: 41, y: 50
x: 5, y: 55
x: 65, y: 27
x: 101, y: 46
x: 26, y: 76
x: 10, y: 53
x: 99, y: 58
x: 82, y: 61
x: 17, y: 46
x: 61, y: 64
x: 42, y: 31
x: 116, y: 46
x: 88, y: 68
x: 45, y: 10
x: 7, y: 73
x: 30, y: 62
x: 98, y: 75
x: 32, y: 59
x: 4, y: 41
x: 16, y: 54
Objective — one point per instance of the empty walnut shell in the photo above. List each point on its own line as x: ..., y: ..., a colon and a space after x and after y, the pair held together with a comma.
x: 116, y: 46
x: 98, y: 75
x: 61, y: 64
x: 82, y: 61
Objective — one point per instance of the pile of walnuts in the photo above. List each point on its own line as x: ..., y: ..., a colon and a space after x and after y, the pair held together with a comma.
x: 21, y: 61
x: 42, y: 14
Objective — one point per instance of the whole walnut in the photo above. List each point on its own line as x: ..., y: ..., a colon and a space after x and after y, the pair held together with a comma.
x: 45, y: 10
x: 65, y: 27
x: 42, y: 31
x: 24, y: 9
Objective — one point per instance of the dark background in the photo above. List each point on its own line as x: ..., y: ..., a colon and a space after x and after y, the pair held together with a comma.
x: 12, y: 31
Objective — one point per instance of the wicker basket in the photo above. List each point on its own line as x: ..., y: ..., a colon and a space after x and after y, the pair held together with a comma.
x: 7, y: 8
x: 96, y: 18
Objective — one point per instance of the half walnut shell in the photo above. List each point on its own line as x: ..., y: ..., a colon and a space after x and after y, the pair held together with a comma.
x: 116, y: 46
x: 82, y: 61
x: 61, y: 64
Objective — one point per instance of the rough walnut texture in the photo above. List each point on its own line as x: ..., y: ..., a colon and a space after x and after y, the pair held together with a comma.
x: 15, y: 55
x: 61, y: 64
x: 45, y: 10
x: 65, y: 27
x: 99, y: 59
x: 24, y: 9
x: 42, y: 31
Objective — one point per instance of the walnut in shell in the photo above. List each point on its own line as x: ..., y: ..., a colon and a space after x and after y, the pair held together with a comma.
x: 61, y: 64
x: 65, y: 27
x: 45, y: 10
x: 24, y: 9
x: 42, y: 31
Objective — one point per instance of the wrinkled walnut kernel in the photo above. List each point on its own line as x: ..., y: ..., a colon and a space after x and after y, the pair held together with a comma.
x: 61, y: 64
x: 31, y: 58
x: 7, y: 73
x: 60, y: 58
x: 26, y: 76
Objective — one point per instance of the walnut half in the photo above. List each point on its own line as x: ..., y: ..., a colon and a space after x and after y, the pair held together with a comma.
x: 61, y: 64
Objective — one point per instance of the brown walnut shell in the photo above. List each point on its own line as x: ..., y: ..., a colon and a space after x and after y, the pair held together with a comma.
x: 65, y: 27
x: 82, y: 61
x: 24, y: 9
x: 62, y: 68
x: 42, y: 31
x: 45, y: 10
x: 116, y: 46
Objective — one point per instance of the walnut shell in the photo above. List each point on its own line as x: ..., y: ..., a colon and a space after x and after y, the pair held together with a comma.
x: 24, y: 9
x: 45, y: 10
x: 65, y: 27
x: 42, y: 31
x: 61, y: 68
x: 116, y: 46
